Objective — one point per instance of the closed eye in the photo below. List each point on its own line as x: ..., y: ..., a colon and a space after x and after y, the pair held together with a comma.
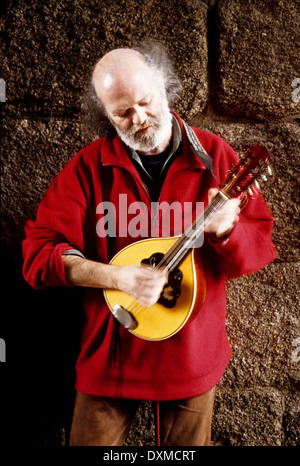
x: 124, y: 113
x: 145, y: 102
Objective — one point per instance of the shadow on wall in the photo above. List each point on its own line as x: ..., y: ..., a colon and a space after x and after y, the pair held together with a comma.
x: 41, y: 351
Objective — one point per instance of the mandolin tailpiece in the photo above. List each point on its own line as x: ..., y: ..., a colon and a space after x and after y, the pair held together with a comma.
x: 124, y: 317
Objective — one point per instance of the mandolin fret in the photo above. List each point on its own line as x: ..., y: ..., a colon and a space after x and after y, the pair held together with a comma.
x: 183, y: 245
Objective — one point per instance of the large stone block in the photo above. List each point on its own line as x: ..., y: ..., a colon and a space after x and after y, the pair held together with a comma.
x: 248, y: 418
x: 257, y: 58
x: 280, y: 191
x: 263, y: 327
x: 34, y: 153
x: 51, y: 47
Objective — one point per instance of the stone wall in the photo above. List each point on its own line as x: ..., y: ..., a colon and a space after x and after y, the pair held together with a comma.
x: 238, y: 61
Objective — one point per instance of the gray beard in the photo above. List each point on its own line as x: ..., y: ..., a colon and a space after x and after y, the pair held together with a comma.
x: 149, y: 141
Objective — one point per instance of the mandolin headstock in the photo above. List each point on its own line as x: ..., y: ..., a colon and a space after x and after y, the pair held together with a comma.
x: 250, y: 167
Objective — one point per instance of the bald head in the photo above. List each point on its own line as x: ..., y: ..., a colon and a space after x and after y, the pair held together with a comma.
x: 118, y: 59
x: 119, y: 71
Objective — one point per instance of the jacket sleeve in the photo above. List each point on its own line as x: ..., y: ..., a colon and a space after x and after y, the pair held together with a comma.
x: 60, y: 225
x: 249, y: 246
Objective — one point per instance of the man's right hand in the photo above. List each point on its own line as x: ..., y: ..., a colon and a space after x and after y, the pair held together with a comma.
x: 143, y: 283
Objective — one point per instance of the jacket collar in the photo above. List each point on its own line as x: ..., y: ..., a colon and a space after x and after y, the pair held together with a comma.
x: 114, y: 153
x: 176, y: 141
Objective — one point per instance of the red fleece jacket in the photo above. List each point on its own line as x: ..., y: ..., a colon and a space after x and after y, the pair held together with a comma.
x: 193, y: 360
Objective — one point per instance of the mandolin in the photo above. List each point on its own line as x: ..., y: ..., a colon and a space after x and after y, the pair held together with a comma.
x: 184, y: 294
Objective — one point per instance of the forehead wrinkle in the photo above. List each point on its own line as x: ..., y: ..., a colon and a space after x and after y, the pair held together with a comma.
x: 125, y: 91
x: 128, y: 106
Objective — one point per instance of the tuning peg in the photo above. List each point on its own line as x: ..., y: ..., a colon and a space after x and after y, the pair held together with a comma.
x: 270, y: 170
x: 256, y: 184
x: 250, y: 191
x: 264, y: 177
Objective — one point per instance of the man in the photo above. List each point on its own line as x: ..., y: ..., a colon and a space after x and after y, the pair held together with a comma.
x: 147, y: 156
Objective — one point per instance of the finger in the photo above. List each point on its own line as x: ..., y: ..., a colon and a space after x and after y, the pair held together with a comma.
x: 234, y: 202
x: 154, y: 273
x: 212, y: 192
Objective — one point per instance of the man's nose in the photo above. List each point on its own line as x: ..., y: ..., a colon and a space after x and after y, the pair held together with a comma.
x: 139, y: 116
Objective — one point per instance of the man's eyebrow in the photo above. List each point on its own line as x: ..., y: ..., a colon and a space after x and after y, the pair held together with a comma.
x: 147, y: 97
x: 124, y: 109
x: 119, y: 110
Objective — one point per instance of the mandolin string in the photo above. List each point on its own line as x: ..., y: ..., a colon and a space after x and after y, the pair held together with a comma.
x: 190, y: 235
x: 192, y: 231
x: 135, y: 307
x: 175, y: 248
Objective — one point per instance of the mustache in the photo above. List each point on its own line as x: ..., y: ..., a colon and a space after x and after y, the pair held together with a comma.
x: 149, y: 122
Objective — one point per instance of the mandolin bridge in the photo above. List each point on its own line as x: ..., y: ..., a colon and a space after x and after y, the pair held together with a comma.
x: 172, y: 289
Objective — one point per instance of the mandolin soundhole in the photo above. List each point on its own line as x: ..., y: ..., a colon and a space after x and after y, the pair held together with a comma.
x: 172, y: 289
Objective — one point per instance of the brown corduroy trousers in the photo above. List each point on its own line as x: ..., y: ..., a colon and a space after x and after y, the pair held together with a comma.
x: 99, y: 421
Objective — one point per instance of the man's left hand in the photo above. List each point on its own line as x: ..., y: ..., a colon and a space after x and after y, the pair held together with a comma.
x: 225, y: 218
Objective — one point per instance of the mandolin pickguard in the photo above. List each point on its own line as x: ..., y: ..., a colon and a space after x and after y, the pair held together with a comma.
x: 172, y: 289
x: 179, y: 296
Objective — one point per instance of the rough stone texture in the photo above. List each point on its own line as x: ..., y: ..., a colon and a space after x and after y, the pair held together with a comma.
x: 291, y: 419
x: 237, y: 61
x: 142, y: 432
x: 263, y: 312
x: 47, y: 62
x: 248, y: 418
x: 35, y: 152
x: 256, y: 58
x: 281, y: 190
